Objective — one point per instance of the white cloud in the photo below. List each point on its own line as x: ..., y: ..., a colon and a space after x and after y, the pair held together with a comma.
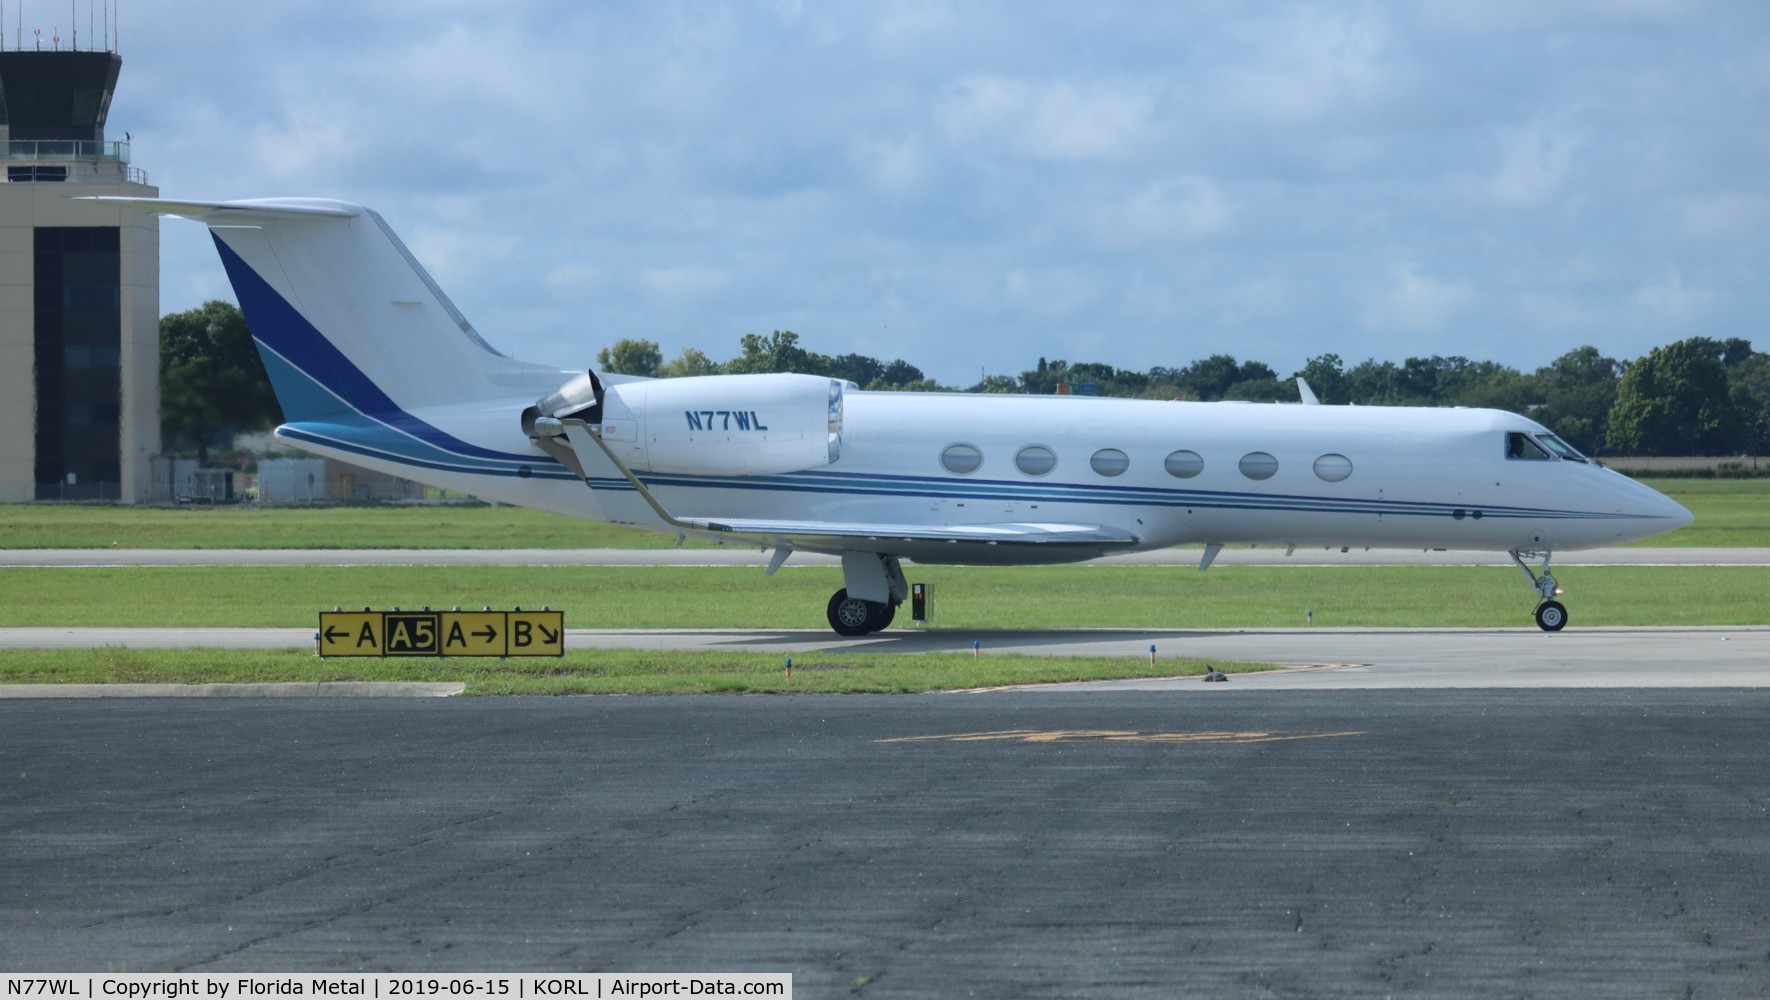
x: 1052, y: 292
x: 1162, y: 211
x: 1496, y: 16
x: 1308, y: 62
x: 1060, y: 120
x: 1411, y: 302
x: 685, y: 171
x: 897, y: 166
x: 575, y: 278
x: 1534, y: 160
x: 1665, y: 303
x: 1724, y: 215
x: 684, y: 281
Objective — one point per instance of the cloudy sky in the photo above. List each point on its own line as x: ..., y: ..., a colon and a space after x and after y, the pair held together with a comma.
x: 972, y: 185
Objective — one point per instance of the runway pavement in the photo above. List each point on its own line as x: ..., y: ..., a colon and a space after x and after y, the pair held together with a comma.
x: 1535, y: 843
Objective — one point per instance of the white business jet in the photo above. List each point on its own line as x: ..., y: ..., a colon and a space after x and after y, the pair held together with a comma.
x: 373, y: 365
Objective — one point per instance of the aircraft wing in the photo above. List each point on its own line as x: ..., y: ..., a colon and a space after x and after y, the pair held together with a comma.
x: 1039, y: 534
x: 1006, y: 542
x: 978, y: 544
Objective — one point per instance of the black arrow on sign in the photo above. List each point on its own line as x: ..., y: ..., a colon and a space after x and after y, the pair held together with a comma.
x: 546, y: 636
x: 333, y: 635
x: 490, y: 634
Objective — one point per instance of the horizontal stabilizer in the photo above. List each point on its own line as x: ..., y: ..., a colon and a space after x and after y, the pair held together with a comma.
x: 221, y: 213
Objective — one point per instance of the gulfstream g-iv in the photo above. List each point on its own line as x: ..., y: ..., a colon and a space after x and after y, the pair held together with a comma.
x: 372, y: 364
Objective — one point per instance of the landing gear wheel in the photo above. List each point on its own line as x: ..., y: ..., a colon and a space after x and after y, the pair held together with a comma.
x: 1551, y: 616
x: 853, y: 616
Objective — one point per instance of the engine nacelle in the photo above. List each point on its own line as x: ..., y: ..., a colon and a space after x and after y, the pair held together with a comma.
x: 581, y: 397
x: 725, y: 425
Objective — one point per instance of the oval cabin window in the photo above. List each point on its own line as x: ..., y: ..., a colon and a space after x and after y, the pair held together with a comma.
x: 1259, y: 465
x: 1184, y: 464
x: 1110, y: 462
x: 1333, y: 468
x: 961, y: 458
x: 1035, y: 460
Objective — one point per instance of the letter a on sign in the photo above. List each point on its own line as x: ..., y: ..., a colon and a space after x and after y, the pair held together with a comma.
x: 350, y: 633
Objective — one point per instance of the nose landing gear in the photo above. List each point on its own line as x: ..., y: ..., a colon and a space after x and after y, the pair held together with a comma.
x: 1551, y: 615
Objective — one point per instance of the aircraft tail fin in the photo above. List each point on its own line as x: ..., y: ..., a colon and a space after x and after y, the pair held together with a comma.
x: 344, y: 316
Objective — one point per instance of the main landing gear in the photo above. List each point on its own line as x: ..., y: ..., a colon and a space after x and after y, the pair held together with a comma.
x: 853, y: 616
x: 875, y: 587
x: 1551, y: 615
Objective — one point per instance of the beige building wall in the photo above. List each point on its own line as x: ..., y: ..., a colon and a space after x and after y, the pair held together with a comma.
x: 24, y: 207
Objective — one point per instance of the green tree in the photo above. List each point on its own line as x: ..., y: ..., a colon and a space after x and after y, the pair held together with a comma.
x: 1042, y: 381
x: 1263, y: 390
x: 777, y: 352
x: 1749, y: 384
x: 897, y: 374
x: 689, y: 363
x: 631, y: 357
x: 1675, y: 401
x: 1209, y: 378
x: 1575, y: 393
x: 857, y: 368
x: 1326, y: 375
x: 212, y: 381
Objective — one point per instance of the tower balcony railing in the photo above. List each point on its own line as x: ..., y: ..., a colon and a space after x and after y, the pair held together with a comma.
x: 68, y: 149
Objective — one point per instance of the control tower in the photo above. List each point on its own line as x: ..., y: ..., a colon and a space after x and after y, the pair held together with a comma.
x: 79, y: 287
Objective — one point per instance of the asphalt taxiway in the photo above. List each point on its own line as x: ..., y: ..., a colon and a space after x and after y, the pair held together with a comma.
x: 1563, y: 843
x: 1657, y: 657
x: 1451, y: 812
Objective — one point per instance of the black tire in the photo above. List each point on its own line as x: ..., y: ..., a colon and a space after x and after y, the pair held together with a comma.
x: 887, y: 612
x: 1551, y: 616
x: 852, y: 616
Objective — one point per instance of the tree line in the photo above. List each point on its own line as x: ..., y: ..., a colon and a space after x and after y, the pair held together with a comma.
x: 1698, y: 396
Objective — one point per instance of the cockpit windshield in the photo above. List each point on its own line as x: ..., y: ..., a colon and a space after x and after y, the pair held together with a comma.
x: 1539, y: 448
x: 1560, y: 447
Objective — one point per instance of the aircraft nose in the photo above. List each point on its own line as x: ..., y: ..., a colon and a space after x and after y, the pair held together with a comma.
x: 1657, y: 512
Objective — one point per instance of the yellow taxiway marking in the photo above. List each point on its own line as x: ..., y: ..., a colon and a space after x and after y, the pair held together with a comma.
x: 1114, y: 736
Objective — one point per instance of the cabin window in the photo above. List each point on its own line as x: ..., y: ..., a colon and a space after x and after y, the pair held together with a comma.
x: 961, y: 458
x: 1521, y: 446
x: 1184, y: 464
x: 1110, y: 462
x: 1333, y: 468
x: 1035, y: 460
x: 1258, y: 465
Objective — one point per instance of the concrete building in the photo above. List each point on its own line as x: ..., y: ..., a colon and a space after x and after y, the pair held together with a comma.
x: 79, y: 289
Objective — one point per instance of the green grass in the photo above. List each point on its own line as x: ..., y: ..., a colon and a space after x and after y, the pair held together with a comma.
x: 98, y: 526
x: 590, y: 671
x: 965, y: 598
x: 1729, y: 513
